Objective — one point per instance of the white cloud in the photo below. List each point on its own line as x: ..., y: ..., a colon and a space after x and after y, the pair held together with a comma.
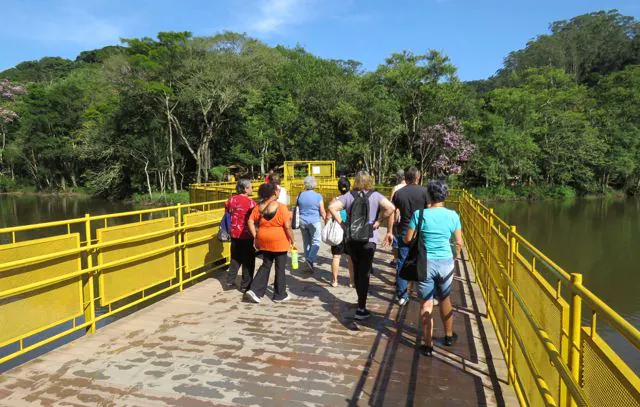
x: 274, y: 16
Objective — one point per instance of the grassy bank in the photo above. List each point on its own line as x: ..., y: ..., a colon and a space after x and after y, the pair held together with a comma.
x: 159, y: 199
x: 535, y: 193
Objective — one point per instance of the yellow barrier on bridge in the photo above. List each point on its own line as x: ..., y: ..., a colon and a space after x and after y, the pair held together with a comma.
x: 89, y: 269
x: 537, y: 309
x: 80, y: 272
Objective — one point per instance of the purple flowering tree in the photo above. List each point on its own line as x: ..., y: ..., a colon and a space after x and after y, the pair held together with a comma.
x: 442, y: 148
x: 8, y: 93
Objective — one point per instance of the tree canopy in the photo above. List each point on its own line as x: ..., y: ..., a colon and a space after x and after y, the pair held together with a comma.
x: 160, y: 113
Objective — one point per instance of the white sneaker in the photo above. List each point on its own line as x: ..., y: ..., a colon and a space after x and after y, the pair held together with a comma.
x: 403, y: 301
x: 252, y: 296
x: 287, y: 298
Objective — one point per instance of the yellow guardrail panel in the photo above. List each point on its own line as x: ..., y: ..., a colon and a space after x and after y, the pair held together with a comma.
x: 572, y: 366
x: 607, y: 381
x: 201, y: 244
x: 25, y: 313
x: 127, y: 278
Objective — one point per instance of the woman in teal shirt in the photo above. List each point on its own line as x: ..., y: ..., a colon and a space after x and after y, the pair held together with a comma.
x: 439, y: 224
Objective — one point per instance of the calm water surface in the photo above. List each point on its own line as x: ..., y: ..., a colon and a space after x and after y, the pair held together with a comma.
x: 27, y: 209
x: 599, y: 238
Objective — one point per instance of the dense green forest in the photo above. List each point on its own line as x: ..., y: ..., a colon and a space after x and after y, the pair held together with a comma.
x: 158, y: 114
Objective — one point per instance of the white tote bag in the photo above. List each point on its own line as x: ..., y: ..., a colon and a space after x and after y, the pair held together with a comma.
x: 332, y: 234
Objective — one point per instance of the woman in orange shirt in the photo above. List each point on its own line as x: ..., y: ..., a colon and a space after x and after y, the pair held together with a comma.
x: 270, y: 225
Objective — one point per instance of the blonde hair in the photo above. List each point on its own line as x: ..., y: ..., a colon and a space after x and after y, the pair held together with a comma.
x: 364, y: 181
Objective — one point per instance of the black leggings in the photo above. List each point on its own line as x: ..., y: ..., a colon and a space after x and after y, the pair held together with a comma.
x: 261, y: 279
x: 362, y: 257
x: 242, y: 253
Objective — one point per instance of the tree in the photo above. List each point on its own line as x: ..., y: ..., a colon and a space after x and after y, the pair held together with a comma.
x: 442, y: 148
x: 8, y: 94
x: 413, y: 80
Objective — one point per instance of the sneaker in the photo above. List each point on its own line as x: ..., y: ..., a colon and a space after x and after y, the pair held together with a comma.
x: 362, y: 314
x: 426, y: 350
x: 252, y: 296
x: 403, y: 301
x: 310, y: 268
x: 286, y: 298
x: 450, y: 340
x: 334, y: 284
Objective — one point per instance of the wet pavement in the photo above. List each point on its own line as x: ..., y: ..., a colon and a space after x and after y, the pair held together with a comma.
x: 207, y: 346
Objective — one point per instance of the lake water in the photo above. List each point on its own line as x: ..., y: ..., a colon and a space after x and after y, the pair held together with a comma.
x: 596, y: 237
x: 27, y: 209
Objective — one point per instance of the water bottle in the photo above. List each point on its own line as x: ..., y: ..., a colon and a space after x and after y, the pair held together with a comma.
x: 294, y: 259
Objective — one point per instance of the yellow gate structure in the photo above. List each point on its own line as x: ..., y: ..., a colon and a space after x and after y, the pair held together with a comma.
x: 319, y: 169
x: 74, y: 276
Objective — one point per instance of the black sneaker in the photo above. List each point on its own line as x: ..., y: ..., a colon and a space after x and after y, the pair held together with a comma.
x: 310, y: 267
x: 450, y: 340
x: 362, y: 314
x: 426, y: 350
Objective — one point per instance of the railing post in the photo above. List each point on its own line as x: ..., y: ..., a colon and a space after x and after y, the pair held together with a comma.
x: 487, y: 240
x: 181, y: 248
x: 89, y: 285
x: 513, y: 247
x: 575, y: 322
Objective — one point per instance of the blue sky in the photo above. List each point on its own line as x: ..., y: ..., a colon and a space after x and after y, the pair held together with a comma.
x: 475, y: 34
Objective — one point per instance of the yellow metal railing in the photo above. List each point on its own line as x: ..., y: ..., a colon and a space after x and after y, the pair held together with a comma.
x: 74, y: 275
x: 327, y: 187
x: 537, y: 310
x: 59, y: 278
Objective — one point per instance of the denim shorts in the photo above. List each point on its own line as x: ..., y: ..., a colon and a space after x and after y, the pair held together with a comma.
x: 439, y: 279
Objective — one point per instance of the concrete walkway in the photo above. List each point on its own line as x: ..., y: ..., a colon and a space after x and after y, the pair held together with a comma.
x: 208, y: 347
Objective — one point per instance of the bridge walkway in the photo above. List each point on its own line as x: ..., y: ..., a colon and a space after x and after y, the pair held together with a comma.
x: 208, y: 347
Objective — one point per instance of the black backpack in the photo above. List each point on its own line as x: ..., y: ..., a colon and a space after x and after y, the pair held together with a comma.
x: 359, y: 229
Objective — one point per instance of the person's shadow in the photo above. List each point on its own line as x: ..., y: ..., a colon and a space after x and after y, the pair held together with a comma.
x: 305, y: 284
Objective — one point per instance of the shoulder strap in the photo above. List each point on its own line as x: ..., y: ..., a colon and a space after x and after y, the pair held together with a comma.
x: 418, y: 231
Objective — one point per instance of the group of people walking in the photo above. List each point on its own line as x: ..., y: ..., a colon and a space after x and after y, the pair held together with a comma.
x: 265, y: 229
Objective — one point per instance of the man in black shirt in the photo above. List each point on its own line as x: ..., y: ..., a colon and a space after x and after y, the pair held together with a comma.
x: 407, y: 200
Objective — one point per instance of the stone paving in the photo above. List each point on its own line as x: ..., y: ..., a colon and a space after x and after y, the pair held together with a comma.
x: 208, y: 347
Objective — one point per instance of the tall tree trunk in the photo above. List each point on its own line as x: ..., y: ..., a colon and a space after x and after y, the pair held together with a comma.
x: 172, y: 166
x: 146, y: 172
x: 195, y: 154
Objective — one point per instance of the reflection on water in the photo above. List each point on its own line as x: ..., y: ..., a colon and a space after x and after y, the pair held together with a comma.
x: 596, y: 237
x: 27, y: 209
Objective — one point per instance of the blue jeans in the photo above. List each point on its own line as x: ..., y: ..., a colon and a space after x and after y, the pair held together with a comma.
x: 310, y: 239
x: 439, y: 279
x: 401, y: 283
